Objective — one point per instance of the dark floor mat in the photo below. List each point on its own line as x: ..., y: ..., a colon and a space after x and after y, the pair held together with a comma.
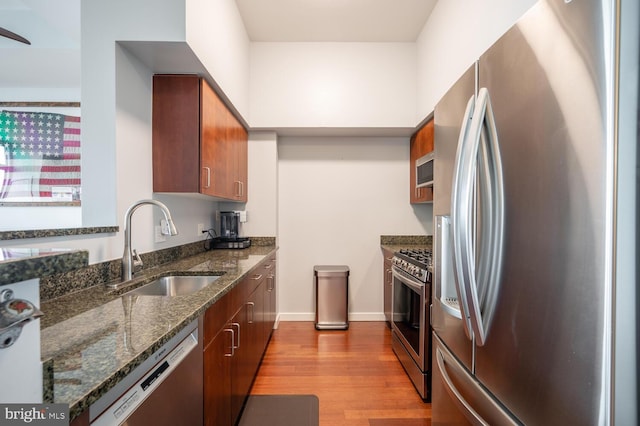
x: 281, y: 410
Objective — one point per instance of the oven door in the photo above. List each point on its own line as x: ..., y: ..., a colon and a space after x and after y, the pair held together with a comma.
x: 408, y: 315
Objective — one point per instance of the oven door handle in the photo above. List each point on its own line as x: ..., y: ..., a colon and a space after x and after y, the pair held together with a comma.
x: 413, y: 284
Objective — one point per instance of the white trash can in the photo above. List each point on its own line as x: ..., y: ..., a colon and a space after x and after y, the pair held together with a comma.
x: 332, y: 297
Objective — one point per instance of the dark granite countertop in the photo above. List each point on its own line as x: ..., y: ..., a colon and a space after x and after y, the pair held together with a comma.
x: 93, y: 338
x: 61, y: 232
x: 20, y: 264
x: 395, y: 243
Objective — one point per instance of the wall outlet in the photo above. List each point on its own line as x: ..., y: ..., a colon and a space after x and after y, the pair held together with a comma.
x: 159, y: 238
x: 201, y: 234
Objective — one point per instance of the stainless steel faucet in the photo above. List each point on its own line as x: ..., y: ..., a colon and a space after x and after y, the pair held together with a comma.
x: 128, y: 262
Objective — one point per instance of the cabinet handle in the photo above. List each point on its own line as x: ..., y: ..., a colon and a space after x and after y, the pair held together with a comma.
x: 208, y: 185
x: 257, y: 277
x: 253, y: 308
x: 270, y: 281
x: 269, y: 266
x: 240, y: 188
x: 233, y: 348
x: 235, y: 324
x: 389, y: 273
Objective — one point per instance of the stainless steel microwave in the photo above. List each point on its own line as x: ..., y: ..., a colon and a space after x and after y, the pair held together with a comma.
x: 424, y: 171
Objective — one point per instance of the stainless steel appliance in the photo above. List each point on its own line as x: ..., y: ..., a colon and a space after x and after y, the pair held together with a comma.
x: 230, y: 224
x: 534, y: 317
x: 424, y: 171
x: 410, y: 301
x: 166, y: 389
x: 229, y: 235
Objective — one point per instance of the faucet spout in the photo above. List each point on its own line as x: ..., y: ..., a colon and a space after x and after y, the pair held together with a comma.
x: 128, y: 262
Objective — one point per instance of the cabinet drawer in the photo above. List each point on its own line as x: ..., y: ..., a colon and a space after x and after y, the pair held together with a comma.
x: 216, y: 317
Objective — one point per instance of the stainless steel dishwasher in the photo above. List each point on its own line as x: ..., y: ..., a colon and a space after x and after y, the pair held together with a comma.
x: 166, y: 389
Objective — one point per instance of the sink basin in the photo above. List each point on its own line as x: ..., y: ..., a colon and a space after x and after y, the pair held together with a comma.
x: 174, y: 285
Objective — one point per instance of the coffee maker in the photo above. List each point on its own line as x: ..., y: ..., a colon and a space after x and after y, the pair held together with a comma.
x: 229, y: 235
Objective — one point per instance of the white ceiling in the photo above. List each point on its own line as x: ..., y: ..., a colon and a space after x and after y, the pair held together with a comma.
x: 53, y: 58
x: 334, y: 20
x: 53, y: 28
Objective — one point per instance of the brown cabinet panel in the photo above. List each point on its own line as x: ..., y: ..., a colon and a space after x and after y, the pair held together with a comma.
x: 421, y: 144
x: 270, y: 299
x: 198, y: 144
x: 240, y: 362
x: 176, y: 134
x: 217, y: 317
x: 217, y: 379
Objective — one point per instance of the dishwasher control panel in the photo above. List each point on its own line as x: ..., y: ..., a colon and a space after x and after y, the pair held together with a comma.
x: 124, y: 406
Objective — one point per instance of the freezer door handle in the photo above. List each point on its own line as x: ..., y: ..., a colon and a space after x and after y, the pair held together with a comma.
x: 467, y: 409
x: 491, y: 414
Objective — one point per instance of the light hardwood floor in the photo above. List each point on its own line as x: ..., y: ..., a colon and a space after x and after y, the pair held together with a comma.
x: 354, y: 373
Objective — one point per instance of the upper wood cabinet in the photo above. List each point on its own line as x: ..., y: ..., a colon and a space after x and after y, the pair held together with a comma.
x: 198, y: 144
x: 421, y: 144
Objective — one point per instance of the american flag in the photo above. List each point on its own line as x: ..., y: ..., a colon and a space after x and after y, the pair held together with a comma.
x: 38, y: 151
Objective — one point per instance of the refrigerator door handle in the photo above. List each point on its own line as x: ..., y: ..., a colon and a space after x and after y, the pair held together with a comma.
x: 484, y: 151
x: 457, y: 240
x: 492, y: 413
x: 455, y: 394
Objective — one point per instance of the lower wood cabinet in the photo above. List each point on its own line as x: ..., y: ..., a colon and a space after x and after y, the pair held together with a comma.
x: 217, y: 379
x: 237, y: 332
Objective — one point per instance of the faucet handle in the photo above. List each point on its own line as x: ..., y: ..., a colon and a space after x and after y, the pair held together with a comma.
x: 137, y: 262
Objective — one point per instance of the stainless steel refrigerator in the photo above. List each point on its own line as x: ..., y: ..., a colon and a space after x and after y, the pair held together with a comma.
x: 534, y: 302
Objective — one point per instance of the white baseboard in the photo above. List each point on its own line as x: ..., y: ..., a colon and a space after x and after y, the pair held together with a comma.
x: 311, y: 316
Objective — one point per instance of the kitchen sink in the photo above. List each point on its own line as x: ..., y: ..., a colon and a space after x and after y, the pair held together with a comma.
x: 174, y: 285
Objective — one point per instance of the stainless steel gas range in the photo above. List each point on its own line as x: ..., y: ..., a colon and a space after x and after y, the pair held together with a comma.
x: 411, y: 300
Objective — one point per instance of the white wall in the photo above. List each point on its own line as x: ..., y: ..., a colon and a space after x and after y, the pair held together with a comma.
x: 332, y: 85
x: 102, y: 24
x: 216, y: 34
x: 456, y: 34
x: 336, y: 197
x: 262, y: 207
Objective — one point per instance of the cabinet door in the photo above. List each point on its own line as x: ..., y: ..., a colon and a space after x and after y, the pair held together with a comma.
x: 256, y: 305
x: 238, y: 139
x: 242, y: 363
x: 270, y: 299
x: 421, y: 144
x: 175, y: 133
x: 215, y: 151
x: 217, y: 379
x: 387, y: 283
